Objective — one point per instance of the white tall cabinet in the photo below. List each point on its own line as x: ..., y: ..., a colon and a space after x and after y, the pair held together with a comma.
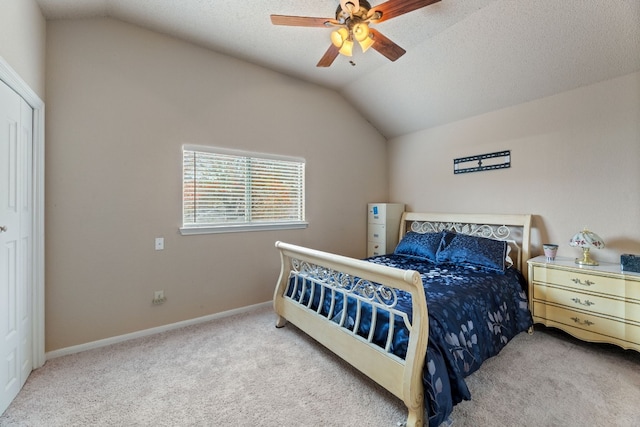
x: 383, y: 226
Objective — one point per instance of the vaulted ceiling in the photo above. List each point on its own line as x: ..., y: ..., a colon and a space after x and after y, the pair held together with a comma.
x: 464, y: 57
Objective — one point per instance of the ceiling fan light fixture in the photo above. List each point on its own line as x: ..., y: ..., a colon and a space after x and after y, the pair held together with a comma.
x: 366, y: 43
x: 351, y: 24
x: 360, y: 31
x: 339, y: 36
x: 347, y: 48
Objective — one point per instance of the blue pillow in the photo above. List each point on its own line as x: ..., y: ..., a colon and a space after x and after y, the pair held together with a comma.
x: 473, y: 250
x: 419, y: 245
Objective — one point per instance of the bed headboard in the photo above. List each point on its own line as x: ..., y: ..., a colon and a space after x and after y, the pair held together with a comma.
x: 514, y: 229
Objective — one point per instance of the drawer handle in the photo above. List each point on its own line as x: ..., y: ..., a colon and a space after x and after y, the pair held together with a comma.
x: 580, y: 282
x: 586, y: 302
x: 581, y: 322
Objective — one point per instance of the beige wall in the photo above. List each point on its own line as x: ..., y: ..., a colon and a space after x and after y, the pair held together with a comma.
x: 22, y: 41
x: 121, y: 102
x: 574, y: 163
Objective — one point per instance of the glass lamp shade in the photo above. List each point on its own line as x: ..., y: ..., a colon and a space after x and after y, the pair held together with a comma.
x: 360, y: 31
x: 366, y: 43
x: 347, y: 48
x: 339, y: 36
x: 586, y: 240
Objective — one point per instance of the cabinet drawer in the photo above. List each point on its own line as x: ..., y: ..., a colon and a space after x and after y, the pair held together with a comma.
x: 376, y: 233
x: 583, y: 321
x: 588, y: 327
x: 377, y: 214
x: 633, y: 288
x: 580, y: 281
x: 592, y: 303
x: 375, y: 249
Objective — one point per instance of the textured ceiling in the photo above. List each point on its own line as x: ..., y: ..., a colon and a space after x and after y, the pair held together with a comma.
x: 464, y: 57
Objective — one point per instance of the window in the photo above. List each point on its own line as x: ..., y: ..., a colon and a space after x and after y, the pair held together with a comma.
x: 229, y: 190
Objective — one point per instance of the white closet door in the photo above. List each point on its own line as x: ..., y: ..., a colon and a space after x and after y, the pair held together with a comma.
x: 16, y: 240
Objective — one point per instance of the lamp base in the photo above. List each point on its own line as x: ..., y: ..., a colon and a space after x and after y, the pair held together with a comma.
x: 587, y: 262
x: 586, y: 259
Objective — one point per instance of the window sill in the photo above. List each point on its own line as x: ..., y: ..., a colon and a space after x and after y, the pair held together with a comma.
x: 238, y: 228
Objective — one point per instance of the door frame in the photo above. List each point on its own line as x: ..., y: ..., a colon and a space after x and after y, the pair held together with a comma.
x: 15, y: 82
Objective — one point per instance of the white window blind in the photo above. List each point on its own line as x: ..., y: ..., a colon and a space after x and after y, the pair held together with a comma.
x: 228, y: 190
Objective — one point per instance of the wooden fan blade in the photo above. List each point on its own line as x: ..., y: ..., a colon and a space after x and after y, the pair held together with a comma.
x: 329, y: 56
x: 385, y: 46
x: 300, y: 21
x: 392, y: 8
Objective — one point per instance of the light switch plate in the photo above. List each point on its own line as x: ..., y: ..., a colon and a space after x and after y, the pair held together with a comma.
x: 159, y: 243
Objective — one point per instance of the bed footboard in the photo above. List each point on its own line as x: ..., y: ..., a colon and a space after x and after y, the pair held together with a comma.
x: 314, y: 291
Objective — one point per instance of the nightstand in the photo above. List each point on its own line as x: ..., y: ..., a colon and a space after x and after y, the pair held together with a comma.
x: 598, y: 304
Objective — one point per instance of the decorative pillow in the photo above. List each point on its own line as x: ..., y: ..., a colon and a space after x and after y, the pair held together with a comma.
x: 419, y: 245
x: 477, y: 251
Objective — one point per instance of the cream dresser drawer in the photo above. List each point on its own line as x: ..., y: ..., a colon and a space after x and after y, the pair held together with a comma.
x: 580, y: 281
x: 588, y: 322
x: 596, y: 303
x: 606, y: 305
x: 590, y: 327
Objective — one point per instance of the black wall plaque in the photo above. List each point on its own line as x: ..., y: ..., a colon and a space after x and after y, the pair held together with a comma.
x: 482, y: 162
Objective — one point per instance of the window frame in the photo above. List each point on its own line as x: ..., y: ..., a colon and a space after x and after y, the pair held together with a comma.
x: 191, y: 229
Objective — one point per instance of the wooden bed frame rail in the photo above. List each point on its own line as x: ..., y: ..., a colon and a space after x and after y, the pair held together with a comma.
x: 362, y: 282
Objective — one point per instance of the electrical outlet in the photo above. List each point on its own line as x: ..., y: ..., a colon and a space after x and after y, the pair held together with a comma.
x: 158, y: 297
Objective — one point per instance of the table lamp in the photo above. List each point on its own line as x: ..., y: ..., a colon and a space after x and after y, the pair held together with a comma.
x: 586, y: 240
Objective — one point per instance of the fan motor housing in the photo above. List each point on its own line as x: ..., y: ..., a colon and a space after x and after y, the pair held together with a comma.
x: 343, y: 16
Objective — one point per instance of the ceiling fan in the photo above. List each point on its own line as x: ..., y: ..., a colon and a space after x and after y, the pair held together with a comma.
x: 352, y: 21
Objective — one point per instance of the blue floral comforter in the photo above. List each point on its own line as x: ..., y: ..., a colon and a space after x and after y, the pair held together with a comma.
x: 473, y: 313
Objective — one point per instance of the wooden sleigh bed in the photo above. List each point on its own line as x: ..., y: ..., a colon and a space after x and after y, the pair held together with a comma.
x: 376, y: 315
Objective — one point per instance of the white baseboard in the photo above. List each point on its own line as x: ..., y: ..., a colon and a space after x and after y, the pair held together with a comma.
x: 146, y: 332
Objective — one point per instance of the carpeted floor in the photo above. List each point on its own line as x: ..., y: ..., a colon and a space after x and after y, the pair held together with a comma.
x: 242, y: 371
